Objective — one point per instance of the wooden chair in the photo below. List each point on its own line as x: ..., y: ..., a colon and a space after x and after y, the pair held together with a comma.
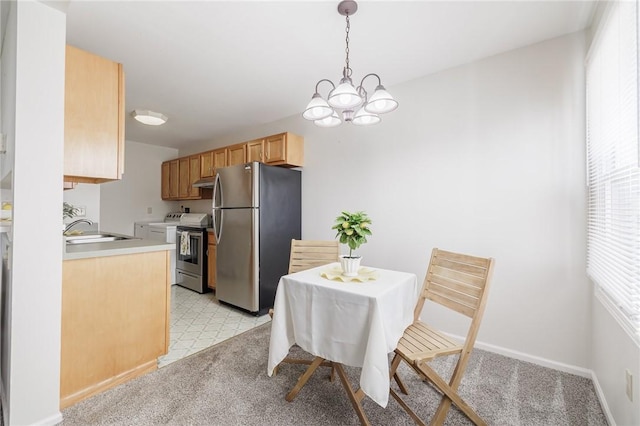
x: 461, y: 283
x: 307, y: 254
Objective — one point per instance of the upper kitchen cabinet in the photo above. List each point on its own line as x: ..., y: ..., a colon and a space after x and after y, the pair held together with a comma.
x: 211, y: 160
x: 178, y: 177
x: 94, y: 118
x: 170, y: 180
x: 284, y: 149
x: 237, y: 154
x: 255, y: 150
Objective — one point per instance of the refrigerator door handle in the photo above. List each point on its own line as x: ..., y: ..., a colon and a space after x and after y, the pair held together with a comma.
x: 216, y: 188
x: 217, y: 232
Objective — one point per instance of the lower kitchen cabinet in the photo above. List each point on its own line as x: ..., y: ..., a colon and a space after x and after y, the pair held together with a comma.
x: 211, y: 261
x: 115, y: 321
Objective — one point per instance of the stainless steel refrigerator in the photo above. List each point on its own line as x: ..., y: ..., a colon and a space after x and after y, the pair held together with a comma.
x: 256, y: 214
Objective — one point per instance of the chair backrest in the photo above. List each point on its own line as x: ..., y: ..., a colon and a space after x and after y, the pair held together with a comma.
x: 457, y: 281
x: 307, y: 254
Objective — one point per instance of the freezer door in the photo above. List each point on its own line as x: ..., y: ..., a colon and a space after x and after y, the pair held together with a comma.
x: 237, y: 259
x: 238, y: 186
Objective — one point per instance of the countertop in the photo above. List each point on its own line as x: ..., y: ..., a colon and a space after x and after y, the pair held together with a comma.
x: 113, y: 248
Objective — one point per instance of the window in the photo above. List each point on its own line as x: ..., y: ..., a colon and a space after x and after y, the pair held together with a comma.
x: 613, y: 249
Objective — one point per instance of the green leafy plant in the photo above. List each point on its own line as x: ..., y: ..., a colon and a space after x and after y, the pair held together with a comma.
x: 68, y: 211
x: 352, y: 229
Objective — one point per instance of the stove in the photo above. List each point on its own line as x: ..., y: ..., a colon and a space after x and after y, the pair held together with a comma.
x: 194, y: 220
x: 191, y: 251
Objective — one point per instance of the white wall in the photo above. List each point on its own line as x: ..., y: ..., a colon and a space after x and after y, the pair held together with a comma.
x: 38, y: 32
x: 84, y: 195
x: 128, y: 200
x: 486, y: 158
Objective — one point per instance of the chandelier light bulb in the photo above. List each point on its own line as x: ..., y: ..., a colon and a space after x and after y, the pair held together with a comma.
x: 381, y: 102
x: 364, y: 118
x: 331, y: 121
x: 317, y: 109
x: 345, y: 95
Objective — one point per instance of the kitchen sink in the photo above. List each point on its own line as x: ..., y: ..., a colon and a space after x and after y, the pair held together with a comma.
x: 94, y: 238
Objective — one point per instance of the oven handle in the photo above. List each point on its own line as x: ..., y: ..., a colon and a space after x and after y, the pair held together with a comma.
x: 191, y: 234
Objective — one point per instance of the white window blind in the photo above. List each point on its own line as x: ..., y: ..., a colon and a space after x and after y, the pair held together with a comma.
x: 613, y: 249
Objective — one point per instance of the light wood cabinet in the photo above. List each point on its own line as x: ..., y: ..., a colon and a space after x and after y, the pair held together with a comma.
x: 212, y: 160
x: 94, y: 118
x: 219, y: 158
x: 206, y: 164
x: 255, y: 151
x: 115, y: 321
x: 237, y: 154
x: 284, y: 149
x: 170, y: 180
x: 178, y: 177
x: 184, y: 189
x: 211, y: 261
x: 194, y: 175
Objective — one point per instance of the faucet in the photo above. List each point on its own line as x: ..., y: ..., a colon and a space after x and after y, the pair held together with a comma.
x: 74, y: 223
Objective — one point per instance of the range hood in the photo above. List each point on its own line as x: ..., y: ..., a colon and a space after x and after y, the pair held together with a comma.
x: 207, y: 182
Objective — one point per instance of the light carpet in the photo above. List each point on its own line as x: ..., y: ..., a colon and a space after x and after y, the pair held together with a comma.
x: 227, y: 384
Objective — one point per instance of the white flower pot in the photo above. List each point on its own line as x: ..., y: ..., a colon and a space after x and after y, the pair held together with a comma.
x: 350, y: 265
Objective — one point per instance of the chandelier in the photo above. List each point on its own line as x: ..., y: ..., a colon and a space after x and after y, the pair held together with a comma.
x: 346, y: 102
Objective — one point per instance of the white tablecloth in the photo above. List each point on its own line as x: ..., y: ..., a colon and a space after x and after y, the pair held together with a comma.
x: 352, y: 323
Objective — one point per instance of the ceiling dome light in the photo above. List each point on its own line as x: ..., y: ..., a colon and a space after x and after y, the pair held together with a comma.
x: 346, y: 97
x: 150, y: 118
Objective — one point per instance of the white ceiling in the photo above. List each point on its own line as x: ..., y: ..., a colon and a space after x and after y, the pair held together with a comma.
x: 215, y: 67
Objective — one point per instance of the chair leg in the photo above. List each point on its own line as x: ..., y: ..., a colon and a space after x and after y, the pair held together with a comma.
x: 393, y: 374
x: 450, y: 395
x: 406, y: 408
x: 304, y: 378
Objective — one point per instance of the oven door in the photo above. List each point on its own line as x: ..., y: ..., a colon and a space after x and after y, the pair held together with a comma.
x: 189, y: 257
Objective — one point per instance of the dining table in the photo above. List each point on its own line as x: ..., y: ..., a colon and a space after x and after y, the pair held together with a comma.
x: 354, y: 321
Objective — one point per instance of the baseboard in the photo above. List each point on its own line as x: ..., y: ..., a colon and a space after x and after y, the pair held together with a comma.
x: 571, y: 369
x: 555, y: 365
x: 51, y: 420
x: 602, y: 399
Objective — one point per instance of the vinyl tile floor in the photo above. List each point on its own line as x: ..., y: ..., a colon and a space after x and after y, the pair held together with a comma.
x: 200, y: 320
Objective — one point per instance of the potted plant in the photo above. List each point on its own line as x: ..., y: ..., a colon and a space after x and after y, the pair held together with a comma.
x: 352, y: 230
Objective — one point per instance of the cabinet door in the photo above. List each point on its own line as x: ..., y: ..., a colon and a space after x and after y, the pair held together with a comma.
x: 255, y: 150
x: 166, y: 180
x: 206, y: 164
x: 219, y: 158
x: 194, y: 175
x: 93, y: 118
x: 184, y: 183
x: 211, y: 262
x: 173, y: 179
x: 276, y: 148
x: 284, y: 149
x: 237, y: 154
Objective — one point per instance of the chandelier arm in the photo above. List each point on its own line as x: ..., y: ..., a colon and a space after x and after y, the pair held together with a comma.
x: 327, y: 80
x: 371, y: 74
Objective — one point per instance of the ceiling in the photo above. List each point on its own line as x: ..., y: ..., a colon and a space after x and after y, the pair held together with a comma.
x: 216, y: 67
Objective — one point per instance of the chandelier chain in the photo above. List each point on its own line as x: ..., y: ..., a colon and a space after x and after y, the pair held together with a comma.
x: 348, y: 68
